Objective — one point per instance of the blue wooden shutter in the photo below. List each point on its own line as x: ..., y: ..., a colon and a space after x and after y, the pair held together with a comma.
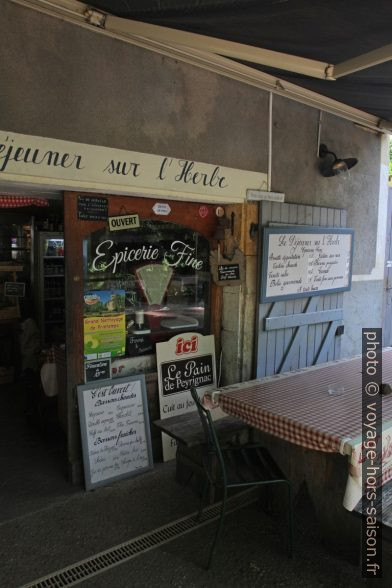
x: 301, y: 332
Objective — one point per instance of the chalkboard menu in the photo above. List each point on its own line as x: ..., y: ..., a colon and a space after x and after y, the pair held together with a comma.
x: 14, y: 289
x: 305, y: 261
x: 115, y: 430
x: 139, y: 344
x: 228, y: 272
x: 97, y: 369
x: 92, y: 208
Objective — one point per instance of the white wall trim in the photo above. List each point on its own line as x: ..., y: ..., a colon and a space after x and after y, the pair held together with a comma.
x: 378, y: 270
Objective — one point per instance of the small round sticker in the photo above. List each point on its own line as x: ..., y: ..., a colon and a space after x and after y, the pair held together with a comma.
x: 203, y: 211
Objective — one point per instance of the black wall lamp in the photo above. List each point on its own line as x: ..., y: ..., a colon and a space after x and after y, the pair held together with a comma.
x: 331, y: 165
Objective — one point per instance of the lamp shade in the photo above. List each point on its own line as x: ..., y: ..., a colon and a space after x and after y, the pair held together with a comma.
x: 331, y: 165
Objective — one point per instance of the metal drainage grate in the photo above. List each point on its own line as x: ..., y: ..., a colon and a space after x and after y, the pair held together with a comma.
x: 119, y: 554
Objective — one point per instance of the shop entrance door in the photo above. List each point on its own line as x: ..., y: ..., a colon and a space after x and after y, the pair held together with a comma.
x: 95, y: 258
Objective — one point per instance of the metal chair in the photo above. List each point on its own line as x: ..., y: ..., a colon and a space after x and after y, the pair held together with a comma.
x: 239, y: 467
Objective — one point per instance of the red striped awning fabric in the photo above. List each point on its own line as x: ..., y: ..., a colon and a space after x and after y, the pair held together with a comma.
x: 297, y: 407
x: 20, y: 201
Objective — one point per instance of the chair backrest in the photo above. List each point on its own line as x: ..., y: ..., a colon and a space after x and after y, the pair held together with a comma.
x: 211, y: 437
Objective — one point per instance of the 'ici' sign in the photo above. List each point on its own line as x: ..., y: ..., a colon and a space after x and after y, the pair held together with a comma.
x: 179, y: 254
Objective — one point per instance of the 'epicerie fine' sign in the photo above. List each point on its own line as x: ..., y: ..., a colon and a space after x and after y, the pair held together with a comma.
x: 126, y: 221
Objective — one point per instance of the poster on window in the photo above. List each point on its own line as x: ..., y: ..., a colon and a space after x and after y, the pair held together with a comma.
x: 104, y: 324
x: 186, y: 360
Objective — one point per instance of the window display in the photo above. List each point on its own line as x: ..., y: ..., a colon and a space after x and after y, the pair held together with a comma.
x: 163, y: 270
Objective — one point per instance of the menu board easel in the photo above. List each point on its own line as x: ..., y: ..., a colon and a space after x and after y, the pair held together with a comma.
x: 115, y: 430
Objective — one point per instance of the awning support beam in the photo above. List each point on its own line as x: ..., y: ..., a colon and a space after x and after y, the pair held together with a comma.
x: 364, y: 61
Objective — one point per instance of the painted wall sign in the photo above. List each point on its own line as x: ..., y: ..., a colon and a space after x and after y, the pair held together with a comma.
x: 185, y: 360
x: 78, y: 166
x: 14, y: 289
x: 115, y: 430
x: 92, y: 208
x: 228, y: 272
x: 126, y: 221
x: 305, y: 261
x: 97, y: 369
x: 161, y: 208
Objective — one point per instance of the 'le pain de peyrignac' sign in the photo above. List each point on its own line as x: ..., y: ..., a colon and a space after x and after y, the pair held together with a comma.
x: 185, y: 360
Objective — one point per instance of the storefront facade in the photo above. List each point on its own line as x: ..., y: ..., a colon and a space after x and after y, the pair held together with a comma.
x: 134, y: 136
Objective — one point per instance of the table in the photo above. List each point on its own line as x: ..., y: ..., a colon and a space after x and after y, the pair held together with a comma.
x: 297, y: 407
x: 315, y: 434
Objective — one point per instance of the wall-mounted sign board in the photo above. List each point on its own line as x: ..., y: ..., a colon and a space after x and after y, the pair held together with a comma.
x: 305, y: 261
x: 115, y: 430
x: 14, y: 289
x: 228, y: 272
x: 92, y: 209
x: 97, y: 369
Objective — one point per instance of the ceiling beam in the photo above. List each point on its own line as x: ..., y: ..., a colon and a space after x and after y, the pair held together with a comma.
x: 364, y: 61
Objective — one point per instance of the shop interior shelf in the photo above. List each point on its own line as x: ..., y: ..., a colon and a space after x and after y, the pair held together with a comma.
x: 53, y: 275
x: 54, y: 298
x: 53, y: 256
x: 52, y: 322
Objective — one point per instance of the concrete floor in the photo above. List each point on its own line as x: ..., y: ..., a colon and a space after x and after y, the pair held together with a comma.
x: 46, y: 524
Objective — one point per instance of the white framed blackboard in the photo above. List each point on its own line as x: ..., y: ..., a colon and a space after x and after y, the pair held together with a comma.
x: 115, y: 430
x: 305, y: 261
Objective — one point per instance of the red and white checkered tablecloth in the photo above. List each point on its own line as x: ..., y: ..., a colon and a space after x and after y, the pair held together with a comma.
x: 296, y: 407
x: 10, y: 201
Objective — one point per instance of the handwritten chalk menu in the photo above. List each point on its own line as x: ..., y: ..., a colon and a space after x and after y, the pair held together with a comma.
x: 305, y: 261
x: 228, y: 272
x: 97, y: 369
x: 115, y: 430
x: 92, y: 208
x: 185, y: 360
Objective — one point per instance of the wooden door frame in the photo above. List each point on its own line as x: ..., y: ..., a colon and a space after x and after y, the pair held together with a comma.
x: 182, y: 213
